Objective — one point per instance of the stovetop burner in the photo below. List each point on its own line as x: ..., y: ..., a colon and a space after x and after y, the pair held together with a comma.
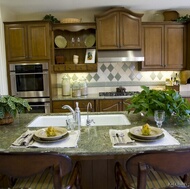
x: 128, y: 93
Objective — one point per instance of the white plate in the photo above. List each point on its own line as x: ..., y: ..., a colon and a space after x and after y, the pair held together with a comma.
x: 41, y: 133
x: 154, y: 132
x: 60, y: 41
x: 89, y: 40
x: 144, y: 139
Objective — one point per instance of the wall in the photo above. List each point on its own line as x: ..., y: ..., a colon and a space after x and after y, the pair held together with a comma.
x: 4, y: 14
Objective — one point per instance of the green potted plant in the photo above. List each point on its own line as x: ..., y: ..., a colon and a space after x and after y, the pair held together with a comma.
x: 10, y: 106
x: 147, y: 101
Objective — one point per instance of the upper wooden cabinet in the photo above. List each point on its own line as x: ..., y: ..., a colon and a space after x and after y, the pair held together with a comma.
x: 26, y: 41
x: 118, y: 28
x: 71, y: 39
x: 164, y: 46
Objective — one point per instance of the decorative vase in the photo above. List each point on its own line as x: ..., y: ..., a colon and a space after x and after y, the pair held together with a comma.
x: 8, y: 119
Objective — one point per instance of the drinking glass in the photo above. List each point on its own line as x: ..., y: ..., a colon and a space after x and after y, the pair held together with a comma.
x: 159, y: 117
x: 72, y: 124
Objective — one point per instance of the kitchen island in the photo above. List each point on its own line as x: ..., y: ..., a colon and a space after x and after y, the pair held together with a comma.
x: 94, y: 149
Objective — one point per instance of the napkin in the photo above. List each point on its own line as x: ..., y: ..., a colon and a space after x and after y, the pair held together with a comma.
x: 167, y: 140
x: 26, y: 140
x: 120, y: 137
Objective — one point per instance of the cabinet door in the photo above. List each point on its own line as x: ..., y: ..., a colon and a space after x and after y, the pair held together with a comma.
x: 27, y: 41
x: 175, y: 47
x: 108, y: 31
x: 130, y: 31
x: 16, y: 42
x: 110, y: 105
x: 153, y: 47
x: 38, y: 40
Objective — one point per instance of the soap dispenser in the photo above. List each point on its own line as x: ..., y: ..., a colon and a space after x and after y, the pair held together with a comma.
x: 77, y: 116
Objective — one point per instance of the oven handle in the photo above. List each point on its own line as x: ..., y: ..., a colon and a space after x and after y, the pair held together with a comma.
x: 44, y: 73
x: 45, y: 105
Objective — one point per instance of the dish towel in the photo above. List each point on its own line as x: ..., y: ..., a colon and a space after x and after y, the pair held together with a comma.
x: 26, y: 140
x: 167, y: 140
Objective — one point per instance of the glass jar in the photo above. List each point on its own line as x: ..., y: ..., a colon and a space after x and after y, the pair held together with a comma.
x: 66, y: 85
x: 83, y: 87
x: 76, y: 92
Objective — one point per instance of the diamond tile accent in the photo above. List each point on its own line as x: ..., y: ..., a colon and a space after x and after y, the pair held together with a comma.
x: 110, y: 77
x: 159, y: 76
x: 117, y: 76
x: 74, y: 77
x: 153, y: 76
x: 139, y: 76
x: 124, y: 67
x: 132, y: 67
x: 103, y: 67
x: 110, y: 67
x: 96, y: 77
x: 132, y: 76
x: 89, y: 77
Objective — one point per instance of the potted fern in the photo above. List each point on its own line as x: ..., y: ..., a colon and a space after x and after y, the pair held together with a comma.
x: 147, y: 101
x: 10, y: 106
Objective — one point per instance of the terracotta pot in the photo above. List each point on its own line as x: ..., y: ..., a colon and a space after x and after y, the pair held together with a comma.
x: 8, y: 119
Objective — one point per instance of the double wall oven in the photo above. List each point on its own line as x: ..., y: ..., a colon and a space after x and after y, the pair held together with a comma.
x: 31, y: 81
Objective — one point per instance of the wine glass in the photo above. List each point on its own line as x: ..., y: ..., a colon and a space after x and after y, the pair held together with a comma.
x: 159, y: 117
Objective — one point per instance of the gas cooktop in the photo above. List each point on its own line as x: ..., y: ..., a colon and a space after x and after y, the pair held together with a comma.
x: 128, y: 93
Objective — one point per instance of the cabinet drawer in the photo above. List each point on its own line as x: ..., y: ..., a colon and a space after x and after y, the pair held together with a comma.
x: 59, y: 68
x: 70, y: 67
x: 81, y: 67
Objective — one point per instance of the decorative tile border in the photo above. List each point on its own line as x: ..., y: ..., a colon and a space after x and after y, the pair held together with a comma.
x: 121, y: 74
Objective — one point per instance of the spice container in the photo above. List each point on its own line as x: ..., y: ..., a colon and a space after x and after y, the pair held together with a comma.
x: 83, y: 87
x: 65, y: 85
x: 76, y: 92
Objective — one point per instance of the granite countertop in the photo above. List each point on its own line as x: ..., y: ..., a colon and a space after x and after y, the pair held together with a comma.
x: 185, y: 94
x: 88, y: 97
x: 94, y: 141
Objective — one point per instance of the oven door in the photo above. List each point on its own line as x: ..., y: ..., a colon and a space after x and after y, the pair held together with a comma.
x: 39, y: 105
x: 29, y: 80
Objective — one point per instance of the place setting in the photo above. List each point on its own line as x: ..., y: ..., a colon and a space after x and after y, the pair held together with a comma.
x: 53, y: 137
x: 138, y: 136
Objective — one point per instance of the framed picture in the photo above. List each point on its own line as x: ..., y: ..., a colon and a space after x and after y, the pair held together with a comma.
x: 90, y: 55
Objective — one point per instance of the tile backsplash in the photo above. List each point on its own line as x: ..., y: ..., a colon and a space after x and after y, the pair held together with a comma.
x: 120, y: 74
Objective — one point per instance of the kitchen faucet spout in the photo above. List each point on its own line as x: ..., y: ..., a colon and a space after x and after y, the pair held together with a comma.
x: 88, y: 121
x: 70, y: 109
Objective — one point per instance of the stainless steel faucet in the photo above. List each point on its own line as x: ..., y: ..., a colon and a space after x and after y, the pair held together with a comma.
x: 70, y: 109
x: 89, y: 121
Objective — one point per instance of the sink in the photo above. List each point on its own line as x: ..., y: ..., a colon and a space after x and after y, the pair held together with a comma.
x: 99, y: 120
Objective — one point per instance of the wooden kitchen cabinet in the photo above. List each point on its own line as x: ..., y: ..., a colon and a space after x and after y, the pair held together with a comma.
x: 118, y: 28
x: 164, y: 46
x: 27, y: 41
x: 57, y: 105
x: 79, y: 32
x: 109, y: 105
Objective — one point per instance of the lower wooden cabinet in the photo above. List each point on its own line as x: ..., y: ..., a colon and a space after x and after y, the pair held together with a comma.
x: 57, y: 105
x: 110, y: 105
x: 98, y: 105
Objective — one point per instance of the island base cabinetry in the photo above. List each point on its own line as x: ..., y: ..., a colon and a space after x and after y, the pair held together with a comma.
x: 99, y: 172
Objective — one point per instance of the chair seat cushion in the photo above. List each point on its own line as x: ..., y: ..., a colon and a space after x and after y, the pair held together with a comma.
x: 42, y: 180
x: 158, y: 180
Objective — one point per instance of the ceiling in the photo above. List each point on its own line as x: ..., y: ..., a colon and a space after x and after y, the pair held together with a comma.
x: 47, y: 6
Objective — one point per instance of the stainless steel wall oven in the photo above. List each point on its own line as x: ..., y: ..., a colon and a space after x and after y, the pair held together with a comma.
x: 31, y: 81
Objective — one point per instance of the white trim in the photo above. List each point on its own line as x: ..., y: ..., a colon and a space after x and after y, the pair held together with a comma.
x: 3, y: 72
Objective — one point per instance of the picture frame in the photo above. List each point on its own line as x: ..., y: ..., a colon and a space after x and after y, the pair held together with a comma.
x: 90, y: 56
